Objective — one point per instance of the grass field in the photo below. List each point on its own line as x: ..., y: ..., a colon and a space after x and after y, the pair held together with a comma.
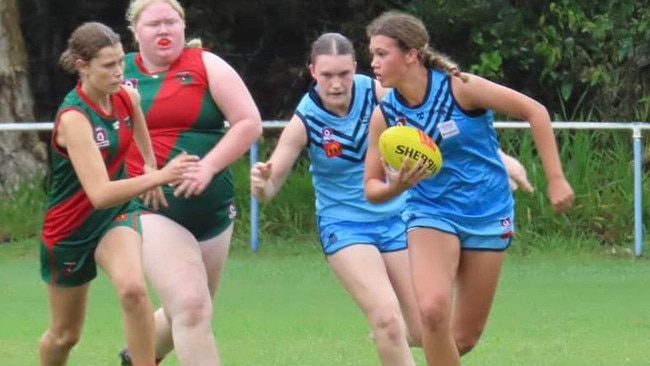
x: 284, y: 307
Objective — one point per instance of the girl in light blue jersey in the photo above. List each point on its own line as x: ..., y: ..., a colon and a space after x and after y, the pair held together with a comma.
x: 460, y: 221
x: 365, y: 244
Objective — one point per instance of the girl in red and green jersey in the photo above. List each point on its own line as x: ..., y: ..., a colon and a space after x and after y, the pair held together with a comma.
x: 187, y: 93
x: 181, y: 116
x: 90, y: 220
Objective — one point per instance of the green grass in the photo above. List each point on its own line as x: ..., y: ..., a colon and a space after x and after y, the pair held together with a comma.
x: 22, y: 211
x: 282, y: 306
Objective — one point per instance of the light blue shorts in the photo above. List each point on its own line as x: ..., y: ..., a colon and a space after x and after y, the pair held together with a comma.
x: 388, y: 235
x: 491, y: 235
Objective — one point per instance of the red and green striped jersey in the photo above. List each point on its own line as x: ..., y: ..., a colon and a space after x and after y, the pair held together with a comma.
x: 180, y: 112
x: 70, y: 217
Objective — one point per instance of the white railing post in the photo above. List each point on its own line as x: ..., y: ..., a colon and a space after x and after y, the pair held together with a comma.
x: 638, y: 191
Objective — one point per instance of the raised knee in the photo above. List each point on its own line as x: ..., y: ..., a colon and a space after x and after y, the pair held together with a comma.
x: 386, y: 323
x: 467, y: 342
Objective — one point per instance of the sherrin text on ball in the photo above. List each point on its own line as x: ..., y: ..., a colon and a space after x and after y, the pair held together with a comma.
x: 400, y: 142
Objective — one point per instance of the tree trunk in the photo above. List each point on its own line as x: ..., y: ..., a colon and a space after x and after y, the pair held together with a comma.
x: 22, y: 155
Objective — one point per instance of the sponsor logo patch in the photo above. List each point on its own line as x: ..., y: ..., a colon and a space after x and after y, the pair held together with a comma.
x: 448, y: 129
x: 333, y: 149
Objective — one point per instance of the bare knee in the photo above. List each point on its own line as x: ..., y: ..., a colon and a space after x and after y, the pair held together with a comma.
x: 193, y: 310
x: 132, y: 294
x: 63, y: 339
x: 466, y: 342
x: 387, y: 324
x: 435, y: 313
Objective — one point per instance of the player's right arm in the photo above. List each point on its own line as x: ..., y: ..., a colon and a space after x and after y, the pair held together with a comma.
x: 380, y: 182
x: 75, y: 134
x: 267, y: 178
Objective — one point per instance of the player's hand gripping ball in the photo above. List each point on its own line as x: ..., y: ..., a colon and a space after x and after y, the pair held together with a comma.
x: 399, y: 142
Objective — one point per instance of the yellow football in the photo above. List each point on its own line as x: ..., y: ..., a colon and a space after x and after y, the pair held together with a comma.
x: 399, y: 142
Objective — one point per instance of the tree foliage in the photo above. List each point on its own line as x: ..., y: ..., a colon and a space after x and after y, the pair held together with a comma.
x: 581, y: 58
x: 22, y: 156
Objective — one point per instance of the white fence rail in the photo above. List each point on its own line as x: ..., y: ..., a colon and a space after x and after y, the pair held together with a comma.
x: 635, y: 127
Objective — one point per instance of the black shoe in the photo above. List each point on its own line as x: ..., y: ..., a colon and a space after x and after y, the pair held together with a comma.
x: 125, y: 358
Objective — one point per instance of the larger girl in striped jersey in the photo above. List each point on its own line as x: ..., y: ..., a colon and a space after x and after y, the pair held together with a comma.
x: 460, y: 221
x: 90, y: 220
x: 187, y: 95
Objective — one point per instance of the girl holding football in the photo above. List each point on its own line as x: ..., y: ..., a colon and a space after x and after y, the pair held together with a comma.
x: 460, y: 221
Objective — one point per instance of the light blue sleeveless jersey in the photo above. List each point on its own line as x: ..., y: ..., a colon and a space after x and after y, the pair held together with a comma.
x: 337, y: 149
x: 472, y: 184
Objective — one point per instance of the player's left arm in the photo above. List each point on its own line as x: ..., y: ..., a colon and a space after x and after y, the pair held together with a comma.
x: 479, y: 93
x: 235, y: 101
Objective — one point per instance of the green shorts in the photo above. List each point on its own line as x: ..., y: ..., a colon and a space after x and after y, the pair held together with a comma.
x: 207, y: 215
x: 72, y: 263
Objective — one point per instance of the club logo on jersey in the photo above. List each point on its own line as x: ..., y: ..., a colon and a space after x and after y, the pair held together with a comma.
x: 506, y: 224
x: 132, y: 82
x: 448, y: 129
x: 101, y: 138
x: 400, y: 121
x: 128, y: 122
x: 184, y: 77
x: 232, y: 211
x: 68, y: 268
x: 121, y: 217
x: 327, y: 134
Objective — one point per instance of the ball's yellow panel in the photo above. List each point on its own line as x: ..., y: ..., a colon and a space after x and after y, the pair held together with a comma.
x: 399, y: 142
